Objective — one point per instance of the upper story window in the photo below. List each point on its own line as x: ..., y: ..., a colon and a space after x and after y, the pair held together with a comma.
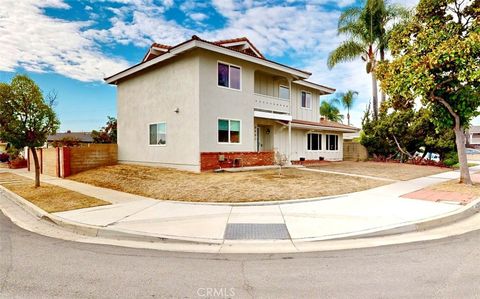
x: 158, y: 134
x: 306, y: 100
x: 229, y: 131
x: 314, y: 142
x: 332, y: 142
x: 284, y: 92
x: 229, y: 76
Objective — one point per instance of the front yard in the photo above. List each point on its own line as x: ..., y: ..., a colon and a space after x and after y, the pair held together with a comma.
x: 265, y: 185
x: 48, y: 197
x: 394, y: 171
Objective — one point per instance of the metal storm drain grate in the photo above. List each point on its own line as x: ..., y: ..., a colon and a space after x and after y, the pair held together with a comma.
x: 256, y: 231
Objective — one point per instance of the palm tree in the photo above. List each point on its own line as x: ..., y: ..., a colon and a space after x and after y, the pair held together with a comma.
x: 381, y: 16
x: 347, y: 99
x: 329, y: 110
x: 368, y: 34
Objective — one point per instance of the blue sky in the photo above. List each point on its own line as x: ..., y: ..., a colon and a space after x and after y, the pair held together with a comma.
x: 70, y: 46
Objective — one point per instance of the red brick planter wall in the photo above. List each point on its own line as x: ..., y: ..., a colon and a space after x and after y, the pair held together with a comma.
x: 210, y: 160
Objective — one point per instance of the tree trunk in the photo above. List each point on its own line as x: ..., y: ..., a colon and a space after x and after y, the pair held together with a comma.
x: 348, y: 116
x: 37, y: 166
x: 462, y: 155
x: 374, y: 96
x: 382, y: 58
x: 459, y: 140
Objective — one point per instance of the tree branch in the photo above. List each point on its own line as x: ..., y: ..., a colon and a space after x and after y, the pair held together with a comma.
x: 400, y: 148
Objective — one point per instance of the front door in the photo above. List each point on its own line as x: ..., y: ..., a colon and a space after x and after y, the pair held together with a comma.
x: 259, y: 141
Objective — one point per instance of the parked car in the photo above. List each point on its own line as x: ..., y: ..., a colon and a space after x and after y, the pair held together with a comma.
x: 430, y: 156
x: 472, y: 151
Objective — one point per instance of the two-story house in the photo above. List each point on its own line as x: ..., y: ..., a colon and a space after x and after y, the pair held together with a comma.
x: 203, y: 105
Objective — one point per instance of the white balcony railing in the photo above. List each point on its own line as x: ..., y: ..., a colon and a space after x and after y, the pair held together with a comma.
x: 269, y: 103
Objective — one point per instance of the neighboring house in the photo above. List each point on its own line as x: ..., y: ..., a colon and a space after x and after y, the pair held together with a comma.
x: 81, y: 137
x: 473, y: 136
x: 351, y: 136
x: 202, y: 105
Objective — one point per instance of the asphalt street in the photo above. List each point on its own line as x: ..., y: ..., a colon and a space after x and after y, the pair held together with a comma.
x: 34, y: 266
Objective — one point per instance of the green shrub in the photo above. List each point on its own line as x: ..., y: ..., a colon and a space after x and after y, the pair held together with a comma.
x: 451, y: 159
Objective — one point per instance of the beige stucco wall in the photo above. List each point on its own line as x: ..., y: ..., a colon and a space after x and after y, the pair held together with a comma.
x: 218, y: 102
x: 152, y: 97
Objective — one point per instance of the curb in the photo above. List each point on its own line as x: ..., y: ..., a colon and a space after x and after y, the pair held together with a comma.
x: 96, y: 231
x: 127, y: 235
x: 407, y: 227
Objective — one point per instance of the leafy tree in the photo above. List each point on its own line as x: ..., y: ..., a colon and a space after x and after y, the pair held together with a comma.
x: 399, y: 133
x: 329, y: 110
x: 347, y: 99
x: 26, y: 117
x: 367, y: 33
x: 107, y: 134
x: 436, y: 59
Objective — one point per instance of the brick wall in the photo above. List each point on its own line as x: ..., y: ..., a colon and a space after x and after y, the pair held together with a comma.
x: 210, y: 160
x: 354, y: 151
x: 92, y: 156
x: 65, y: 161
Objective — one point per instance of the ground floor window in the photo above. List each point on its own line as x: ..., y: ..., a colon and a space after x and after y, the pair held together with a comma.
x: 314, y: 141
x: 228, y: 131
x: 332, y: 142
x: 158, y: 134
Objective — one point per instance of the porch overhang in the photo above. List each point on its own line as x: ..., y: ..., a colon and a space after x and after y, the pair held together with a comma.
x: 270, y: 115
x: 318, y: 126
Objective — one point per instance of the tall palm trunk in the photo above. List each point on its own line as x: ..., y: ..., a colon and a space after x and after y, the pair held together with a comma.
x: 374, y: 95
x: 348, y: 116
x: 382, y: 58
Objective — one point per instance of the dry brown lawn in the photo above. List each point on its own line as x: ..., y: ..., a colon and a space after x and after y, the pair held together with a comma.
x: 455, y: 186
x: 394, y: 171
x: 169, y: 184
x: 48, y: 197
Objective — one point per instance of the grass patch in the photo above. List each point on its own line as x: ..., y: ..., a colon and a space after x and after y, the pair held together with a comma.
x: 170, y: 184
x: 389, y: 170
x: 457, y: 166
x: 48, y: 197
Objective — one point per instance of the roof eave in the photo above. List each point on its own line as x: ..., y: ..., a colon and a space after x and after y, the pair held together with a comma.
x: 195, y: 43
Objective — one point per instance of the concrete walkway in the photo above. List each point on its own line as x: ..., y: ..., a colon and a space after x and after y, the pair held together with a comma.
x: 343, y: 216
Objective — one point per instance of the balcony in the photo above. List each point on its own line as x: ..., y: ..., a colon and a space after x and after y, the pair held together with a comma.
x: 271, y: 104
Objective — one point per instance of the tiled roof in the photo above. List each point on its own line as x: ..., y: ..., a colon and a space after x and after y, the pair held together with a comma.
x: 474, y: 129
x: 240, y: 39
x: 220, y: 43
x: 150, y: 56
x: 161, y: 46
x: 81, y: 136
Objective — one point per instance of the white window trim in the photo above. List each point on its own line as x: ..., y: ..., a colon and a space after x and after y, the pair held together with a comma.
x: 229, y: 77
x: 240, y: 137
x: 289, y: 92
x: 338, y: 143
x: 321, y: 142
x: 156, y: 123
x: 311, y: 100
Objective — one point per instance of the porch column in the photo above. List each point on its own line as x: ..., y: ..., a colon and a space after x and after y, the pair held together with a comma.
x: 289, y: 154
x: 289, y: 162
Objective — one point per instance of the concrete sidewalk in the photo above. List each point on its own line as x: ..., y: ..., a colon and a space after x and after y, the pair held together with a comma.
x: 372, y: 212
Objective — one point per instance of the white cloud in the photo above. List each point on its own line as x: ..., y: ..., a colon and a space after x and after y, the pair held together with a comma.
x: 198, y: 16
x: 38, y: 43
